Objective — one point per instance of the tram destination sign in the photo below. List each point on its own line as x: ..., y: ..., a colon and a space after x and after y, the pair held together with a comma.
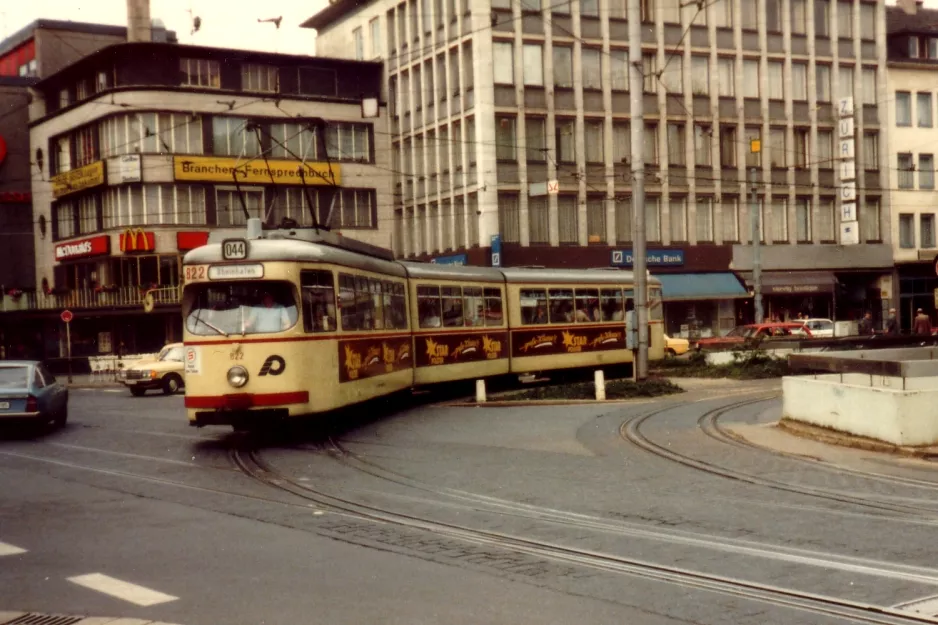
x: 659, y: 258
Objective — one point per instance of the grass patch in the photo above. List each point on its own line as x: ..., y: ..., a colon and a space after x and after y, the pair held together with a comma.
x: 615, y: 389
x: 747, y: 365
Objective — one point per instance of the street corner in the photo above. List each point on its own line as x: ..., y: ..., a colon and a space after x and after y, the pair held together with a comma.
x: 37, y: 618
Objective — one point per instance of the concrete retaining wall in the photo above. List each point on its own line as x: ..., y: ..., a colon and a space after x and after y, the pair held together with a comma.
x: 864, y: 405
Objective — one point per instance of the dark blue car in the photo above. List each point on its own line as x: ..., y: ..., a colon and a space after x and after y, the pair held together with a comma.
x: 29, y: 392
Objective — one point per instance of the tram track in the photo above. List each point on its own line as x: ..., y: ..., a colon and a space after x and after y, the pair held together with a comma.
x: 252, y: 464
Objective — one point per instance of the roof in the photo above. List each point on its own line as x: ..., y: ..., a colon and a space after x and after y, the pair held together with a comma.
x: 580, y: 277
x: 452, y: 272
x: 332, y: 13
x: 27, y: 32
x: 923, y: 21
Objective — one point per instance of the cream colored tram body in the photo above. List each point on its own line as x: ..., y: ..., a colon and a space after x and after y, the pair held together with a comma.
x: 298, y: 322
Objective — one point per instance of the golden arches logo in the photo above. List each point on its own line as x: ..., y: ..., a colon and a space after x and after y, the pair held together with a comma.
x: 135, y: 241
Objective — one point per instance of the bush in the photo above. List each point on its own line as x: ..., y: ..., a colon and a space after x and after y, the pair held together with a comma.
x: 748, y: 364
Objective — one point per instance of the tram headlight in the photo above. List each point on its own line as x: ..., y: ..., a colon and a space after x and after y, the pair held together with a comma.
x: 237, y: 376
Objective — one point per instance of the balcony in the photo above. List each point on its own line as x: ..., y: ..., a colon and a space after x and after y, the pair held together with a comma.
x: 87, y: 299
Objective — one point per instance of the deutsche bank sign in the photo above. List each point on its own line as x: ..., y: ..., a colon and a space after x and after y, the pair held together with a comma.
x: 659, y: 258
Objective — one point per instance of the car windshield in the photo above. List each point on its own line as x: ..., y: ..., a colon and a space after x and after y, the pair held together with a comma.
x: 741, y: 332
x: 172, y: 354
x: 240, y: 308
x: 13, y: 377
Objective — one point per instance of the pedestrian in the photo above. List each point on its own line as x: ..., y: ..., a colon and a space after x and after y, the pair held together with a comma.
x: 922, y: 324
x: 892, y: 324
x: 865, y: 327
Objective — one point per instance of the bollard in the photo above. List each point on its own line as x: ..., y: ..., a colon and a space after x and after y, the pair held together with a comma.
x: 480, y: 391
x: 600, y: 382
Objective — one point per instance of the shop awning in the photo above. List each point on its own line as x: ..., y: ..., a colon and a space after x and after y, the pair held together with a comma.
x: 795, y: 282
x: 677, y: 287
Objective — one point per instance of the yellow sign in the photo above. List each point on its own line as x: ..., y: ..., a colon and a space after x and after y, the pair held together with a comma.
x: 254, y: 171
x: 78, y: 179
x: 755, y: 146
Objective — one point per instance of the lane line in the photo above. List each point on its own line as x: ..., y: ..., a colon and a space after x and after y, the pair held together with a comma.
x: 132, y: 593
x: 6, y: 549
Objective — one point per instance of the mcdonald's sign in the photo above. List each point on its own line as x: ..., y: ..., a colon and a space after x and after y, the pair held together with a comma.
x: 137, y: 241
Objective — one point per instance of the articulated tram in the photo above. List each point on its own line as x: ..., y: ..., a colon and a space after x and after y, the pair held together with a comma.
x: 299, y: 322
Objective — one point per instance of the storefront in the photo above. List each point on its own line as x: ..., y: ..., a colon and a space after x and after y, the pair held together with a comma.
x: 786, y: 294
x: 918, y: 285
x: 701, y: 305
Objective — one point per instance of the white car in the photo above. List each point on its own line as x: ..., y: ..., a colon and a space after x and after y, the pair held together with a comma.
x: 820, y: 328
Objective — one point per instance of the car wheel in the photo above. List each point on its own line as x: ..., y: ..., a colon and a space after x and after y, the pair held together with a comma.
x: 670, y: 353
x: 137, y: 392
x: 171, y: 384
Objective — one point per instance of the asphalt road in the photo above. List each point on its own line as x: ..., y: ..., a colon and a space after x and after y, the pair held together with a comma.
x: 639, y: 513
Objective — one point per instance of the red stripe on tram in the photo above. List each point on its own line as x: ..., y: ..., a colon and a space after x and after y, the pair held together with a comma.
x: 246, y: 400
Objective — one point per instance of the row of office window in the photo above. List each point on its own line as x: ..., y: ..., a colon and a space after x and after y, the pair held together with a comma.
x: 184, y: 205
x: 708, y: 219
x: 924, y: 114
x: 437, y: 227
x: 907, y: 169
x: 183, y: 133
x: 926, y: 229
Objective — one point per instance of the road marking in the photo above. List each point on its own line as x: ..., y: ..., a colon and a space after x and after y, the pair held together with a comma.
x: 927, y: 606
x: 122, y: 590
x: 7, y: 549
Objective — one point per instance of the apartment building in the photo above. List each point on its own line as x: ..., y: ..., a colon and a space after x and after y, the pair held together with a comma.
x: 141, y: 149
x: 511, y: 118
x: 913, y: 145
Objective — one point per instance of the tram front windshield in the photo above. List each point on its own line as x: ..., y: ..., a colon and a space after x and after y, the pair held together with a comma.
x: 240, y: 308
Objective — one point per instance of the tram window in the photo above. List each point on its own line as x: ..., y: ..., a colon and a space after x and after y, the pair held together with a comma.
x: 377, y: 305
x: 587, y: 305
x: 452, y: 306
x: 364, y: 305
x: 473, y: 307
x: 347, y: 302
x: 240, y: 307
x: 533, y: 306
x: 493, y: 307
x: 629, y: 300
x: 387, y: 295
x: 612, y: 305
x: 428, y: 306
x: 655, y: 311
x: 318, y: 287
x: 398, y: 307
x: 561, y: 305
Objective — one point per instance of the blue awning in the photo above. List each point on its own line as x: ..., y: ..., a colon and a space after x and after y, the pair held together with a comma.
x: 696, y: 286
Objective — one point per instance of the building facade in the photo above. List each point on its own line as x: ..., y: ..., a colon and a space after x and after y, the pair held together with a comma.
x: 913, y: 91
x: 511, y: 118
x: 143, y: 148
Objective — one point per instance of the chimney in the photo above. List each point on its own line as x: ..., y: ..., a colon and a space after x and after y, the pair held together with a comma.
x: 909, y: 6
x: 138, y: 20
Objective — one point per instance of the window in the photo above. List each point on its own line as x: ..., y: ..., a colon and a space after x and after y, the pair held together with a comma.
x: 779, y: 220
x: 649, y: 73
x: 670, y: 10
x: 533, y: 58
x: 803, y: 219
x: 923, y: 107
x: 773, y: 15
x: 676, y: 144
x: 672, y: 74
x: 85, y: 152
x: 229, y: 208
x: 845, y: 19
x: 822, y: 18
x: 913, y: 47
x: 776, y: 80
x: 846, y: 81
x: 700, y: 75
x: 349, y: 142
x: 932, y: 49
x: 354, y: 208
x: 868, y: 85
x: 619, y: 60
x: 825, y: 156
x: 504, y: 63
x: 509, y: 217
x: 565, y: 141
x: 567, y: 213
x: 651, y: 143
x: 374, y: 26
x: 294, y: 203
x: 199, y: 73
x: 926, y: 227
x: 726, y: 75
x: 906, y: 230
x: 318, y: 294
x: 906, y: 169
x: 799, y: 81
x: 704, y: 219
x: 230, y: 137
x: 293, y: 141
x: 535, y: 130
x: 926, y: 171
x: 505, y: 138
x: 798, y: 16
x: 563, y: 66
x: 825, y: 220
x: 538, y: 220
x: 729, y: 217
x: 256, y: 77
x: 241, y: 308
x: 595, y: 219
x: 748, y: 14
x: 722, y: 14
x: 903, y: 108
x: 613, y: 304
x: 652, y: 219
x: 533, y: 306
x: 871, y: 150
x: 592, y: 68
x: 703, y: 136
x: 369, y: 303
x: 800, y: 151
x: 623, y: 219
x: 65, y: 220
x: 727, y: 146
x: 593, y: 140
x: 561, y: 305
x: 159, y: 204
x: 776, y: 147
x: 753, y: 159
x: 678, y: 214
x: 750, y: 78
x: 823, y: 82
x: 621, y: 142
x: 867, y: 21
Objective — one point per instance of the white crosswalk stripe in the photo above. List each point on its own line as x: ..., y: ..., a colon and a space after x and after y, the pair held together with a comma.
x: 7, y: 549
x: 120, y: 589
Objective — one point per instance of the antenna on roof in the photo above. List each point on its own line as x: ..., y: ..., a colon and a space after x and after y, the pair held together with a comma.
x: 275, y: 20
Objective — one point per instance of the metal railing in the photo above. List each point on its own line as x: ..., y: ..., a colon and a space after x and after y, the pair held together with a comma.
x: 129, y: 296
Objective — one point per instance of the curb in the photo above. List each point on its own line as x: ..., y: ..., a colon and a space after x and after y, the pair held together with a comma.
x: 842, y: 439
x: 25, y: 618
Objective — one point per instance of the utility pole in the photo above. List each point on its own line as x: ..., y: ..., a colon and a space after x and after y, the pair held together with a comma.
x: 637, y: 124
x: 755, y: 217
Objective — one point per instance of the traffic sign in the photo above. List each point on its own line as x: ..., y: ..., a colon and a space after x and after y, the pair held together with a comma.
x: 67, y: 316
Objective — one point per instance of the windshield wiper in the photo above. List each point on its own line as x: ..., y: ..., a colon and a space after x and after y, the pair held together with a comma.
x: 219, y: 330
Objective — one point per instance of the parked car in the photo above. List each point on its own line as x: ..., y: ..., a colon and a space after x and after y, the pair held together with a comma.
x: 165, y: 373
x: 754, y: 333
x: 819, y: 328
x: 29, y: 392
x: 675, y: 347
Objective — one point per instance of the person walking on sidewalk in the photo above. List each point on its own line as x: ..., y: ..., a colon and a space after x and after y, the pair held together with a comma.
x: 892, y: 324
x: 865, y: 327
x: 922, y: 324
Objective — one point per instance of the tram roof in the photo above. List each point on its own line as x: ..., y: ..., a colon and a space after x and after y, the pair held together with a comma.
x: 430, y: 271
x: 571, y: 276
x: 297, y: 250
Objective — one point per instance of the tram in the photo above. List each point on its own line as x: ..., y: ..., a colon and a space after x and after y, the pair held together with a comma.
x: 293, y: 322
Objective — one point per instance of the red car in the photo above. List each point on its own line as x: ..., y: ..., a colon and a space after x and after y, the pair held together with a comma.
x: 754, y: 333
